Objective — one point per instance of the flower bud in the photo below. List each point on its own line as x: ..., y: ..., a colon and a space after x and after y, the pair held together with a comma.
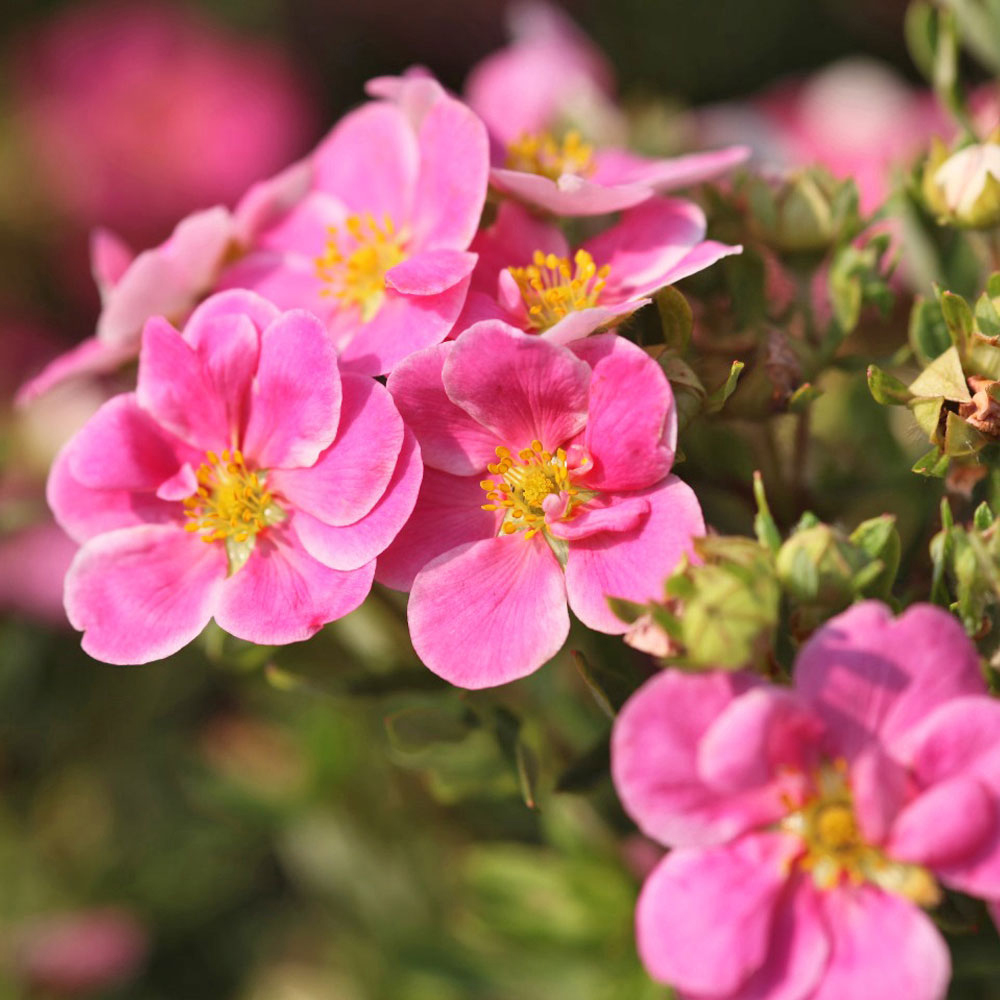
x: 818, y: 566
x: 963, y: 188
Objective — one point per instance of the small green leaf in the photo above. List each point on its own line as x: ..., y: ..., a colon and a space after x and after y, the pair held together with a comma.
x: 886, y: 389
x: 717, y: 399
x: 527, y: 773
x: 676, y: 318
x: 993, y: 285
x: 961, y: 439
x: 958, y: 316
x: 983, y: 517
x: 627, y: 611
x: 928, y: 332
x: 801, y: 399
x: 763, y: 523
x: 927, y: 413
x: 943, y: 377
x: 934, y: 463
x: 920, y: 30
x: 987, y: 317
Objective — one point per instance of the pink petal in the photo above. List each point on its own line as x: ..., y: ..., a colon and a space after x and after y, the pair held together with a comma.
x: 169, y: 279
x: 583, y: 322
x: 872, y: 677
x: 520, y: 387
x: 122, y: 448
x: 405, y: 324
x: 647, y: 244
x: 282, y: 594
x: 489, y: 612
x: 616, y: 166
x: 448, y: 513
x: 305, y: 227
x: 267, y: 201
x: 235, y: 302
x: 633, y: 565
x: 140, y: 594
x: 449, y: 438
x: 415, y: 91
x: 962, y: 737
x: 430, y: 272
x: 654, y: 761
x: 351, y: 546
x: 110, y: 257
x: 350, y: 476
x: 800, y: 948
x: 89, y: 357
x: 754, y: 739
x: 882, y: 946
x: 947, y: 826
x: 287, y: 280
x: 454, y: 170
x: 175, y: 390
x: 703, y: 255
x: 294, y: 403
x: 621, y: 515
x: 83, y: 512
x: 880, y: 787
x: 631, y: 421
x: 570, y: 195
x: 370, y: 161
x: 704, y: 918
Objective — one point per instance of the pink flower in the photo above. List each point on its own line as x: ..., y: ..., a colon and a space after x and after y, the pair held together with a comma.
x: 168, y: 280
x: 528, y: 276
x: 371, y: 233
x: 245, y: 479
x: 547, y: 481
x: 810, y: 825
x: 80, y: 953
x: 139, y: 113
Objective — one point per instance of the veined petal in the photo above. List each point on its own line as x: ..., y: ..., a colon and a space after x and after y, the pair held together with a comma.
x: 489, y: 612
x: 430, y: 272
x: 570, y: 195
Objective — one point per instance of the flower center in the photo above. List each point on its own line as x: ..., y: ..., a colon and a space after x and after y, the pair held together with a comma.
x: 542, y: 153
x: 522, y: 488
x: 551, y: 288
x: 354, y: 263
x: 835, y: 850
x: 231, y: 505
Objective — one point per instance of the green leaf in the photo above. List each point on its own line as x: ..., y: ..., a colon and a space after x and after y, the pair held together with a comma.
x: 528, y: 771
x: 993, y: 285
x: 800, y: 400
x: 983, y: 517
x: 717, y: 399
x: 987, y: 317
x: 943, y: 377
x: 961, y: 439
x: 676, y: 318
x: 627, y: 611
x: 934, y: 464
x: 958, y: 317
x: 763, y: 523
x: 886, y: 389
x: 927, y: 413
x: 928, y: 333
x: 920, y: 29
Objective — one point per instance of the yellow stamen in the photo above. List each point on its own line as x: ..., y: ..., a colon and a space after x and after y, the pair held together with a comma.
x: 354, y: 263
x: 835, y: 850
x: 544, y: 154
x: 522, y: 487
x: 551, y: 289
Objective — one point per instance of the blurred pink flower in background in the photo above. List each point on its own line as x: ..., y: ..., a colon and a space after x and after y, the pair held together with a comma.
x: 138, y: 113
x: 79, y: 953
x: 857, y: 117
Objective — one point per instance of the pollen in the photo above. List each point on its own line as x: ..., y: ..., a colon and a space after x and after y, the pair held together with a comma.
x: 542, y: 153
x: 232, y: 503
x: 835, y: 851
x: 524, y: 481
x: 354, y: 262
x: 552, y: 287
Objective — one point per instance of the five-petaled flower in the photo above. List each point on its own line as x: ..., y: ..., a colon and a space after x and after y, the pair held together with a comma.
x: 547, y: 480
x: 810, y: 826
x: 246, y: 479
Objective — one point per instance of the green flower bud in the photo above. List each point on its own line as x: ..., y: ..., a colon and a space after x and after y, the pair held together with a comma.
x: 819, y: 566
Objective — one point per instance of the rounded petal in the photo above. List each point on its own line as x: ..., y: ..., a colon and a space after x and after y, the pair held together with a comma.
x: 634, y: 564
x: 448, y: 513
x: 350, y: 476
x: 881, y: 946
x: 489, y: 612
x: 403, y: 325
x: 352, y: 545
x: 454, y: 171
x: 631, y: 431
x: 370, y: 161
x: 282, y: 594
x: 520, y: 387
x: 430, y: 272
x: 872, y: 677
x: 142, y: 593
x: 616, y: 166
x: 654, y: 760
x: 294, y: 404
x: 450, y: 440
x: 704, y: 917
x: 570, y: 195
